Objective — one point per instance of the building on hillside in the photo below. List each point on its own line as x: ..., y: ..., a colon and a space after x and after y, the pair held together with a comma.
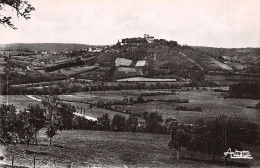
x: 94, y: 49
x: 123, y: 62
x: 140, y: 63
x: 44, y: 52
x: 145, y: 39
x: 149, y: 39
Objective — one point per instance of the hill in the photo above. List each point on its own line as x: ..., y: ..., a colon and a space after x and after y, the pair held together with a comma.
x: 162, y: 59
x: 245, y: 55
x: 55, y: 47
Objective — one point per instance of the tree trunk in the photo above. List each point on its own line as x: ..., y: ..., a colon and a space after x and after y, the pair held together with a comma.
x: 178, y: 153
x: 194, y: 151
x: 214, y: 155
x: 36, y: 140
x: 50, y: 141
x: 226, y: 157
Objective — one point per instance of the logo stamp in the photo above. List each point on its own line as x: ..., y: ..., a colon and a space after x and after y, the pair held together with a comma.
x: 238, y: 154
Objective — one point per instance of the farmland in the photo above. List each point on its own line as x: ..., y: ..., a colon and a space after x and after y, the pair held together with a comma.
x: 211, y: 102
x: 75, y: 70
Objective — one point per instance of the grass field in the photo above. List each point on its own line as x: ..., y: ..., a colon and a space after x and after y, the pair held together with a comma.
x: 76, y: 70
x: 211, y: 102
x: 19, y: 101
x: 113, y: 149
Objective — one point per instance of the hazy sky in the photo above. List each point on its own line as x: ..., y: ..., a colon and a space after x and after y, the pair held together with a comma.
x: 216, y: 23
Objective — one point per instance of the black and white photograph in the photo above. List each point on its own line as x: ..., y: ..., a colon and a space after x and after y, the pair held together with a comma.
x: 129, y: 83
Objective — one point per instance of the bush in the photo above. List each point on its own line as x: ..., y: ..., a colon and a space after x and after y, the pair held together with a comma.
x: 185, y: 108
x: 118, y: 123
x: 245, y: 90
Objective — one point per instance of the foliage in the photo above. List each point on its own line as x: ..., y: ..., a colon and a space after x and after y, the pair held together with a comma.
x: 51, y: 131
x: 185, y: 108
x: 154, y: 123
x: 245, y: 90
x: 24, y: 129
x: 180, y: 138
x: 36, y: 118
x: 131, y: 123
x: 103, y: 123
x: 7, y: 122
x: 22, y: 7
x: 66, y: 111
x: 118, y: 123
x: 81, y: 123
x: 53, y: 120
x: 214, y: 136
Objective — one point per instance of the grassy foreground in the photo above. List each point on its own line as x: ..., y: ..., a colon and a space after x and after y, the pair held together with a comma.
x: 113, y: 149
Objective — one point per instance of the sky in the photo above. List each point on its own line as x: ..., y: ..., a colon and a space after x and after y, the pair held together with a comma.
x: 215, y: 23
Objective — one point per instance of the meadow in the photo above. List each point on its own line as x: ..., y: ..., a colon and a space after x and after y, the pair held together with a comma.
x: 212, y: 104
x: 75, y: 70
x: 114, y: 149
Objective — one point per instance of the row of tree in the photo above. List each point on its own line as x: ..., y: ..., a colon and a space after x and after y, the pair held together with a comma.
x: 68, y: 87
x: 149, y: 123
x: 23, y: 126
x: 53, y: 115
x: 214, y: 136
x: 245, y: 90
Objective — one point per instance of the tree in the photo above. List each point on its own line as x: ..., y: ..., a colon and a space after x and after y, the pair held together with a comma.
x: 153, y: 123
x: 131, y: 123
x: 81, y: 123
x: 214, y: 136
x: 140, y: 99
x: 118, y: 123
x: 199, y: 137
x: 66, y: 112
x: 22, y: 7
x: 103, y: 122
x: 53, y: 120
x: 169, y: 125
x: 7, y: 122
x: 51, y: 131
x: 36, y: 118
x: 24, y: 129
x: 180, y: 138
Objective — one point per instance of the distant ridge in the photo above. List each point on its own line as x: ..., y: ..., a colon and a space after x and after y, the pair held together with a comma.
x: 55, y: 47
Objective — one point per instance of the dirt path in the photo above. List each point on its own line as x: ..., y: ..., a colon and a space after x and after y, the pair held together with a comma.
x: 77, y: 113
x: 33, y: 98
